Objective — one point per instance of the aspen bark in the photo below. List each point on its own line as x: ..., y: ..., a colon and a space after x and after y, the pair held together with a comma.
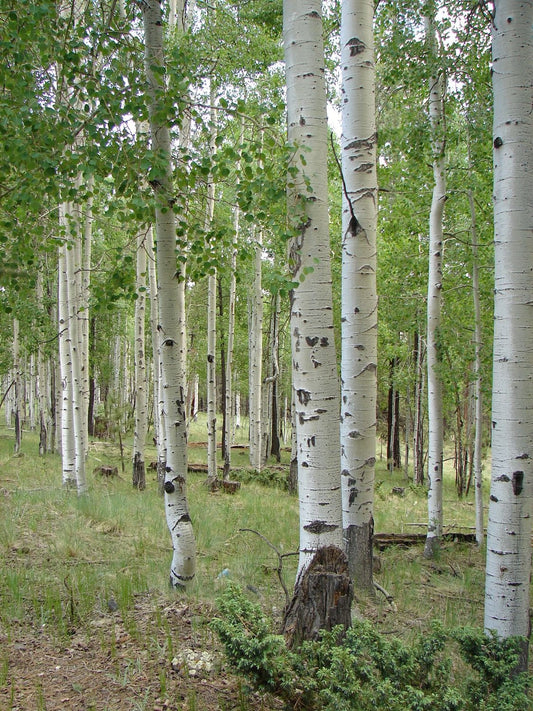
x: 171, y: 324
x: 315, y: 378
x: 68, y: 452
x: 478, y: 392
x: 359, y: 295
x: 229, y: 353
x: 41, y: 383
x: 159, y: 409
x: 17, y: 410
x: 141, y: 396
x: 511, y: 494
x: 255, y: 336
x: 74, y: 422
x: 211, y: 325
x: 435, y: 416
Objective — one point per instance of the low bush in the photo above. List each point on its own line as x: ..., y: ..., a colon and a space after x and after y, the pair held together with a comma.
x: 364, y: 670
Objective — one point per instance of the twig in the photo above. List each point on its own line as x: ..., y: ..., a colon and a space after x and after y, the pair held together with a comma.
x: 279, y: 569
x: 387, y: 595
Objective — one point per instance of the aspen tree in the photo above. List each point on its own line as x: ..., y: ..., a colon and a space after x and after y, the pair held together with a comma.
x: 229, y: 353
x: 159, y: 408
x: 141, y: 396
x: 171, y: 322
x: 434, y: 348
x: 71, y: 286
x: 255, y: 354
x: 511, y: 494
x: 359, y: 295
x: 18, y: 409
x: 211, y: 322
x: 314, y: 363
x: 68, y: 452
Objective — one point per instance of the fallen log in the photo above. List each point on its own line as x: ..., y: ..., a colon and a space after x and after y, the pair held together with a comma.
x: 405, y: 540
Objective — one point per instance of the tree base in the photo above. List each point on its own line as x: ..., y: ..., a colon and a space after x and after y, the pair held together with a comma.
x: 359, y: 544
x: 431, y: 547
x: 322, y: 598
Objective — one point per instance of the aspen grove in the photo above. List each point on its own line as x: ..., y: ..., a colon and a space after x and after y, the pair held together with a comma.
x: 306, y: 224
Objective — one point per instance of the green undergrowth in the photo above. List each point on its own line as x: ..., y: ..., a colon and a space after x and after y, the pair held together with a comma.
x: 366, y: 670
x: 66, y: 561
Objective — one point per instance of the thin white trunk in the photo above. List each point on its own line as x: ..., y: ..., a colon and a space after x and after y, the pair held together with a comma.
x: 141, y: 386
x: 171, y: 328
x: 17, y: 374
x: 67, y: 444
x: 75, y: 370
x: 84, y: 313
x: 42, y: 389
x: 211, y: 377
x: 418, y: 424
x: 31, y: 392
x: 237, y: 420
x: 435, y: 416
x: 359, y: 295
x: 315, y: 378
x: 478, y: 392
x: 211, y: 322
x: 159, y: 420
x: 231, y: 339
x: 511, y: 496
x: 255, y: 336
x: 71, y: 279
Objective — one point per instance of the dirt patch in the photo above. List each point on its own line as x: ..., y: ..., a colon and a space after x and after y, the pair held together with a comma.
x: 157, y: 657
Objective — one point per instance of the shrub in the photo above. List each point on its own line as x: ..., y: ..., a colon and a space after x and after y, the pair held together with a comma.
x: 363, y: 670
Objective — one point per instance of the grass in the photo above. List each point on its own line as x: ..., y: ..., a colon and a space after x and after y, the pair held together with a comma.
x: 64, y: 560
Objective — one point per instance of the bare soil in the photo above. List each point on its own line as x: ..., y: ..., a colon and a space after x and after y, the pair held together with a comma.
x: 143, y: 659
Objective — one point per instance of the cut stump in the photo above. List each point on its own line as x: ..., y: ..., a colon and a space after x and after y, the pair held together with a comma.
x: 106, y: 471
x: 230, y: 487
x: 322, y: 598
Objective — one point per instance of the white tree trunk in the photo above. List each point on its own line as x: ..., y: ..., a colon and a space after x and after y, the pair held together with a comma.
x: 68, y: 450
x: 141, y: 395
x: 435, y: 416
x: 171, y: 328
x: 75, y: 369
x: 211, y: 377
x: 84, y: 313
x: 159, y: 420
x: 42, y: 389
x: 315, y: 378
x: 229, y: 354
x: 237, y: 420
x: 74, y: 299
x: 17, y: 376
x: 478, y: 392
x: 255, y: 346
x: 211, y: 324
x: 31, y: 391
x: 511, y: 507
x: 359, y: 295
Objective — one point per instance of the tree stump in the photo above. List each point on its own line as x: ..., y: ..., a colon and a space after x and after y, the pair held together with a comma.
x: 106, y: 471
x: 230, y: 487
x: 322, y: 598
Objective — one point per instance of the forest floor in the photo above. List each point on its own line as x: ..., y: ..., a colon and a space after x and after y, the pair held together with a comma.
x: 113, y: 666
x: 87, y: 622
x: 160, y: 653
